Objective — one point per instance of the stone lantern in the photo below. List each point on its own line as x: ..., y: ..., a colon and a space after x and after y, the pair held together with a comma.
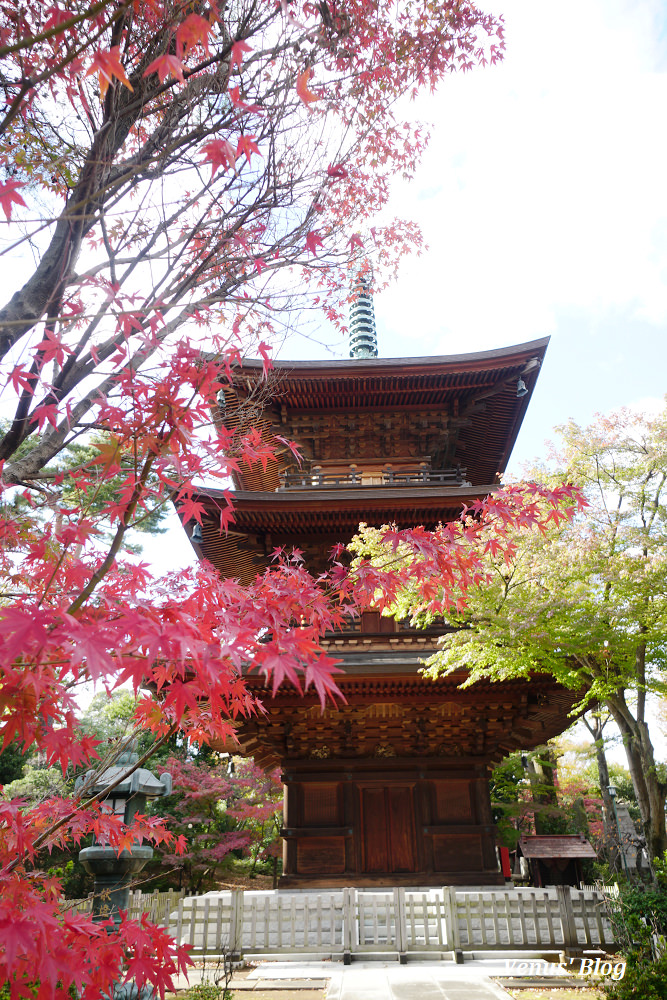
x: 113, y: 872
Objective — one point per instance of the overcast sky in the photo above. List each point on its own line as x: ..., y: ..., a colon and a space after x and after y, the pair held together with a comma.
x: 543, y: 201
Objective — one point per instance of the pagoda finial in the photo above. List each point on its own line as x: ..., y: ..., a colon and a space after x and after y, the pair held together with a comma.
x: 363, y: 335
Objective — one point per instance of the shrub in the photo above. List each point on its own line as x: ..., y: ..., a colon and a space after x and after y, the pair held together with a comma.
x: 643, y: 979
x: 643, y: 903
x: 207, y: 990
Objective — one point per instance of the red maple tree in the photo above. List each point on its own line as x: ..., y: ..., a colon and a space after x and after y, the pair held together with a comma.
x: 200, y: 810
x: 179, y: 178
x: 219, y: 807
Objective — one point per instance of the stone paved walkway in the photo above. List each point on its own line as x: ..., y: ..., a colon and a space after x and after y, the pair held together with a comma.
x: 422, y: 981
x: 380, y: 980
x: 377, y: 980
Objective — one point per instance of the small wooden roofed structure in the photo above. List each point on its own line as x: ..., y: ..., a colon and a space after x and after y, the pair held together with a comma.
x: 555, y: 859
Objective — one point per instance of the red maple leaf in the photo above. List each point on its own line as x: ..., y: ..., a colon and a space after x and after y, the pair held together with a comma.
x: 313, y: 240
x: 242, y: 240
x: 227, y: 517
x: 193, y: 31
x: 264, y: 353
x: 337, y: 172
x: 221, y: 154
x: 191, y: 509
x: 166, y: 65
x: 304, y: 94
x: 22, y: 379
x: 57, y: 16
x: 234, y: 94
x: 21, y: 631
x: 46, y: 412
x: 92, y: 649
x: 8, y: 196
x: 356, y: 241
x: 247, y: 145
x: 238, y: 49
x: 293, y: 447
x: 107, y: 65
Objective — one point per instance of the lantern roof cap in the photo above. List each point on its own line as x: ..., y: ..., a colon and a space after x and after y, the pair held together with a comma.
x: 140, y: 782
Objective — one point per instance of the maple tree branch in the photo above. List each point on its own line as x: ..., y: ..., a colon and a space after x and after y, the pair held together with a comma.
x: 60, y: 28
x: 33, y: 82
x: 117, y: 542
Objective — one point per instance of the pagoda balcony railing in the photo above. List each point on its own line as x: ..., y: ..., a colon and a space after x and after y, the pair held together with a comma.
x: 373, y: 623
x: 316, y: 479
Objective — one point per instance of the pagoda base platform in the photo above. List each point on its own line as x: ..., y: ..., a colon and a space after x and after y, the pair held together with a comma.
x: 417, y: 882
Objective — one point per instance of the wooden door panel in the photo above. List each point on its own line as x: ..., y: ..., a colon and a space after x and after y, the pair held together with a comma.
x: 453, y: 801
x: 400, y: 813
x: 388, y: 829
x: 321, y: 856
x: 321, y: 804
x: 374, y: 827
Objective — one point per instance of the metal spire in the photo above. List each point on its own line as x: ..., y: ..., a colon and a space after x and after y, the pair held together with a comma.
x: 363, y: 335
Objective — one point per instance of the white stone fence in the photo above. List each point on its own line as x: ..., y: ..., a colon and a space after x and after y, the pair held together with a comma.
x: 608, y: 890
x: 393, y: 923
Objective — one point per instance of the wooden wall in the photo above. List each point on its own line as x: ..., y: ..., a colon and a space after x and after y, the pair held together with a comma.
x: 388, y: 823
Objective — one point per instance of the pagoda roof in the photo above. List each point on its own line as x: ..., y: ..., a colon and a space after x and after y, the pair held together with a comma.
x: 380, y: 375
x: 264, y: 520
x: 470, y: 400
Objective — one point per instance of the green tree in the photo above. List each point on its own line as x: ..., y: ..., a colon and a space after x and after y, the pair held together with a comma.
x: 532, y: 793
x: 36, y: 784
x: 585, y: 600
x: 595, y: 722
x: 110, y: 717
x: 12, y: 763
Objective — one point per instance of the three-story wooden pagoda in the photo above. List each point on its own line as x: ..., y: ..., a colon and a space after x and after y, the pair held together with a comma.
x: 392, y: 787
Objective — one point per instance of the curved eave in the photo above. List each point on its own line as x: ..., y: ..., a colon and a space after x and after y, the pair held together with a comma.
x: 263, y: 520
x: 447, y: 363
x: 330, y: 510
x: 359, y: 497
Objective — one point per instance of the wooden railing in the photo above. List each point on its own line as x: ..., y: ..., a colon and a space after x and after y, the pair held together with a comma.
x: 397, y: 922
x: 157, y: 905
x: 316, y: 479
x: 373, y: 623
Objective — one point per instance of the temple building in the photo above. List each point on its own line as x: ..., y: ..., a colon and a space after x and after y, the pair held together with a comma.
x: 390, y: 788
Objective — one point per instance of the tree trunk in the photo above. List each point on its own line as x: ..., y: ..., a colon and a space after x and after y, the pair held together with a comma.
x: 595, y: 727
x: 651, y: 792
x: 541, y: 769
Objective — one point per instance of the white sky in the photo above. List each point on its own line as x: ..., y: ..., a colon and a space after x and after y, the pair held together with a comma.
x: 543, y: 202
